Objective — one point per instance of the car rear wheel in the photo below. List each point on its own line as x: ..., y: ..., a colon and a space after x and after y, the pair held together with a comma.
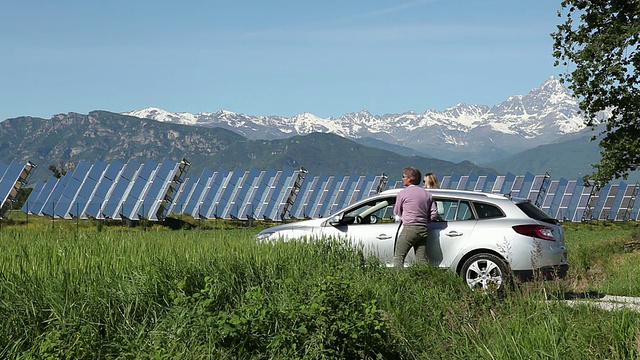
x: 485, y: 272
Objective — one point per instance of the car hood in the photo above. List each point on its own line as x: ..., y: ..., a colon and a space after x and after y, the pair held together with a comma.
x: 298, y: 225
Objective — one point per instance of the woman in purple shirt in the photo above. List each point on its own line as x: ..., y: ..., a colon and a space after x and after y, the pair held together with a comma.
x: 414, y: 206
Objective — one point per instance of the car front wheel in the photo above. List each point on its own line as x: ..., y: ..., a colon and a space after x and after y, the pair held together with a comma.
x: 485, y: 272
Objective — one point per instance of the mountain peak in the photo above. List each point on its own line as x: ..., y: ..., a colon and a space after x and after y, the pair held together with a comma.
x: 540, y: 116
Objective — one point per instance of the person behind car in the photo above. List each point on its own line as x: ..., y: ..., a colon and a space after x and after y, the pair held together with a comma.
x: 414, y: 206
x: 431, y: 181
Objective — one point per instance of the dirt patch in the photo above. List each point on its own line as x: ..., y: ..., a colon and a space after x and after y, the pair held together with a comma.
x: 632, y: 245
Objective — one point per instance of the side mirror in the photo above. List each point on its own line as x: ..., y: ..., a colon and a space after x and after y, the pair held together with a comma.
x: 335, y: 220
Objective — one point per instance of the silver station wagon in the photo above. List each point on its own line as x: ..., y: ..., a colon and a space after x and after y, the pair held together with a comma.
x: 485, y: 238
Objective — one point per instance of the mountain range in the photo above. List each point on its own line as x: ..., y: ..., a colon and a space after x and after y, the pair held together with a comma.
x: 523, y: 133
x: 66, y: 139
x: 476, y: 133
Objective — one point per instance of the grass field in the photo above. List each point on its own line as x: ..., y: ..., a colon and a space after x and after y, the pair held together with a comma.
x: 89, y: 290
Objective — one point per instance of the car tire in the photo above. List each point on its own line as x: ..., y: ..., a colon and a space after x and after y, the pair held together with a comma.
x: 486, y: 272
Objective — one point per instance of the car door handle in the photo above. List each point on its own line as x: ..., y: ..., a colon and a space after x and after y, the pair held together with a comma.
x: 454, y: 233
x: 383, y: 237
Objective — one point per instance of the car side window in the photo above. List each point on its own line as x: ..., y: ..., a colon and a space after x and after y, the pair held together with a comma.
x: 380, y: 210
x: 487, y: 211
x: 454, y: 210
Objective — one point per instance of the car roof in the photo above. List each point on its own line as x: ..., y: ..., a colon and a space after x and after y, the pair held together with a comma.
x: 458, y: 193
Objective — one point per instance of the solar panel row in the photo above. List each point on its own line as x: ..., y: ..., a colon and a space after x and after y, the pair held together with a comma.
x: 563, y: 199
x: 12, y: 178
x: 149, y: 190
x: 109, y: 191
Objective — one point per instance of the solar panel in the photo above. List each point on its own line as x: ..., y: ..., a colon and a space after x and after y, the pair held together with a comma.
x: 279, y: 192
x: 86, y: 189
x: 200, y: 188
x: 462, y: 183
x: 151, y: 190
x: 323, y: 202
x: 119, y: 190
x: 314, y: 202
x: 228, y: 193
x: 245, y: 197
x: 209, y: 208
x: 332, y: 193
x: 49, y: 207
x: 347, y: 189
x: 298, y: 209
x: 69, y: 194
x: 454, y: 181
x: 103, y: 189
x: 182, y: 196
x: 3, y: 169
x: 136, y: 190
x: 516, y: 186
x: 472, y: 180
x: 35, y: 192
x: 12, y: 178
x: 7, y: 181
x: 606, y: 212
x: 158, y: 190
x: 622, y: 202
x: 262, y: 188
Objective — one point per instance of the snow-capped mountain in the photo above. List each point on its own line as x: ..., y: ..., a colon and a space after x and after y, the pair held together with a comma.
x: 462, y: 132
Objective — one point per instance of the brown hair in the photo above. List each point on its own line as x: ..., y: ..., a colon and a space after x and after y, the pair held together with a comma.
x: 412, y: 174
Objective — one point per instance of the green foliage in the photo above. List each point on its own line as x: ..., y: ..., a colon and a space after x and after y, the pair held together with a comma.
x: 57, y: 172
x: 174, y: 294
x: 601, y: 38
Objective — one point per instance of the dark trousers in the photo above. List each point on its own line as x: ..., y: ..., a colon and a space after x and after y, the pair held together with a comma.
x: 411, y: 236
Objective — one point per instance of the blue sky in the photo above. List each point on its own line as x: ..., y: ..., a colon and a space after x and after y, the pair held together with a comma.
x: 275, y: 57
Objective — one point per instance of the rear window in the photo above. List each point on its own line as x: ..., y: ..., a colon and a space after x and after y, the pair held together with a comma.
x: 535, y: 212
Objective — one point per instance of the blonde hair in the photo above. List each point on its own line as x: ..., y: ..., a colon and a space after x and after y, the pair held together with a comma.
x: 431, y: 181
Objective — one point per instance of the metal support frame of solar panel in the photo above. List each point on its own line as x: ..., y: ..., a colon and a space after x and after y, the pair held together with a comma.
x: 291, y: 198
x: 280, y: 193
x: 304, y: 205
x: 171, y: 189
x: 12, y: 178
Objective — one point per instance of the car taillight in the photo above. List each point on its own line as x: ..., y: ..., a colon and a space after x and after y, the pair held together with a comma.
x: 537, y: 231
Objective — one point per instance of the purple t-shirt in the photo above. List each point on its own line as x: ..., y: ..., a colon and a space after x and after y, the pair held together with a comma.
x: 414, y: 205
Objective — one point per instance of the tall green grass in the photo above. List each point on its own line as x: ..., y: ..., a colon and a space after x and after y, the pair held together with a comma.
x: 219, y: 294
